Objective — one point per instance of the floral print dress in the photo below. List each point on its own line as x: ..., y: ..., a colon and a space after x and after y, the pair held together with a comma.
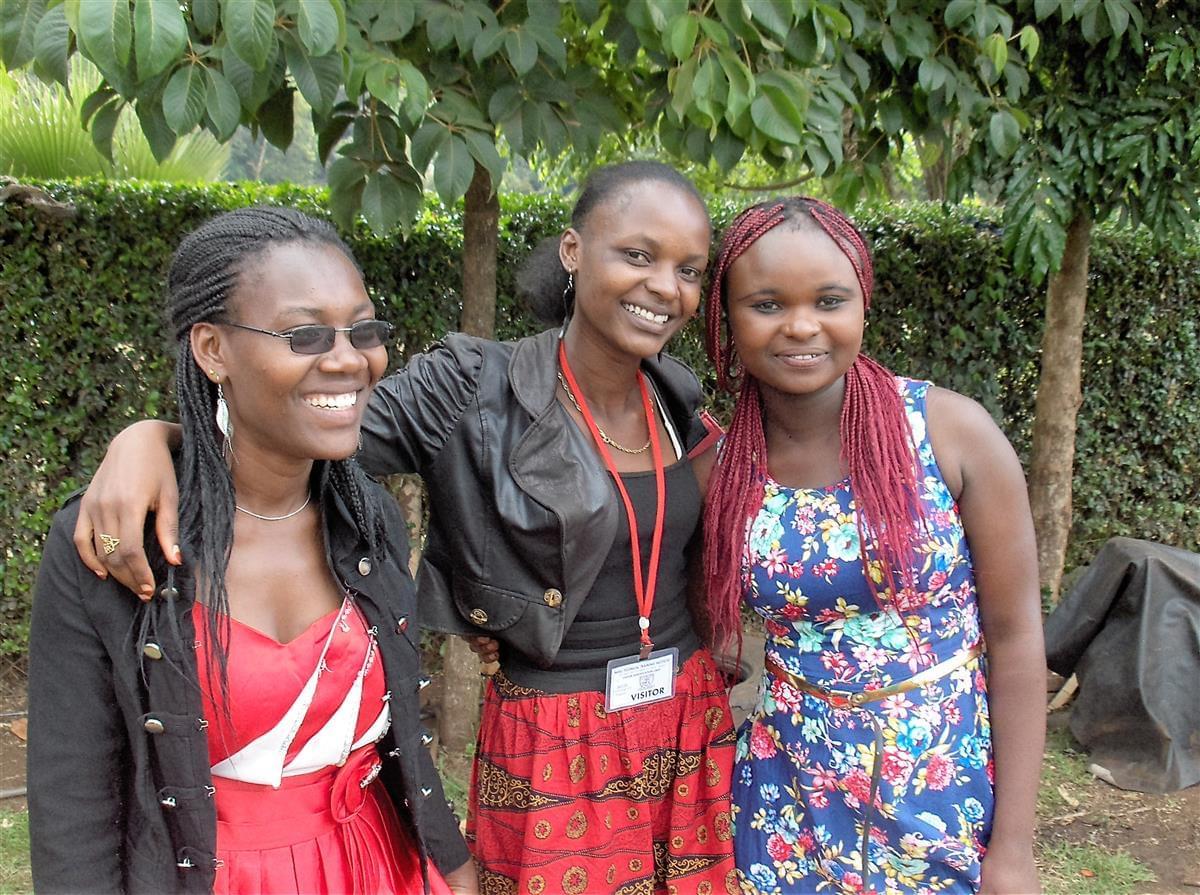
x: 908, y: 776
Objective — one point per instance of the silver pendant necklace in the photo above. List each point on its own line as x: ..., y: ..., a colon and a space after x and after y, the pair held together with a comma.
x: 294, y: 512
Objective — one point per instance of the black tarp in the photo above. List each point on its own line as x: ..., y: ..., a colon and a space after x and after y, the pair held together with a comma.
x: 1130, y: 632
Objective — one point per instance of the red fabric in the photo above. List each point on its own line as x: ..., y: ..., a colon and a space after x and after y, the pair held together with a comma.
x: 568, y: 798
x: 330, y: 831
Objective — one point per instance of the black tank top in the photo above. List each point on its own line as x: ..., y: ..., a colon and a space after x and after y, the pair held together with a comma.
x: 607, y: 624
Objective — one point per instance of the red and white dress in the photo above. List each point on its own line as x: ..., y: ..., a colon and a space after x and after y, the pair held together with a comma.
x: 299, y: 805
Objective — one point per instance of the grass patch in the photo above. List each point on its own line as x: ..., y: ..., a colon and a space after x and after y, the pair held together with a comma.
x: 1068, y: 869
x: 1065, y: 777
x: 14, y: 853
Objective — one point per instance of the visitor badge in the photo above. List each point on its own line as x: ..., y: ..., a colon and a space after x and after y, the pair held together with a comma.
x: 633, y: 681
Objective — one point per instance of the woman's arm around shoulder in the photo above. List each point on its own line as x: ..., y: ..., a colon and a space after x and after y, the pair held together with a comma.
x: 984, y: 475
x: 76, y: 733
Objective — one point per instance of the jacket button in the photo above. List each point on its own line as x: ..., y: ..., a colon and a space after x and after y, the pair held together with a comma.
x: 152, y: 651
x: 478, y: 616
x: 364, y: 566
x: 553, y: 597
x: 153, y: 725
x: 402, y: 625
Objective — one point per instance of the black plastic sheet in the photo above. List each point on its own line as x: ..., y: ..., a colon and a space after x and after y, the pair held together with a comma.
x: 1130, y: 632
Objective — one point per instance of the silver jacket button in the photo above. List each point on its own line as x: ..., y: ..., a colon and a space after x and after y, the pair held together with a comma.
x: 364, y: 566
x: 152, y: 651
x: 153, y: 725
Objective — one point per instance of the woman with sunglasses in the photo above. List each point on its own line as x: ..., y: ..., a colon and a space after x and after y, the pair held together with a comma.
x: 254, y: 729
x: 564, y: 510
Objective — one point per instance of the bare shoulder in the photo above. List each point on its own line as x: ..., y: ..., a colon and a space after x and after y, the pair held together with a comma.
x: 964, y: 436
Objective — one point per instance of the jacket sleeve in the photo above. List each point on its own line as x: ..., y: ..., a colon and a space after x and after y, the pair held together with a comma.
x: 439, y: 826
x: 413, y: 411
x: 76, y: 738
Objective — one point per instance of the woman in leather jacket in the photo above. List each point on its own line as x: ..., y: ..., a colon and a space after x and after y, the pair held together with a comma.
x: 564, y: 512
x: 253, y: 729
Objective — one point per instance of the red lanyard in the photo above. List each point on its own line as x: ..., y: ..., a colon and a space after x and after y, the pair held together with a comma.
x: 643, y: 588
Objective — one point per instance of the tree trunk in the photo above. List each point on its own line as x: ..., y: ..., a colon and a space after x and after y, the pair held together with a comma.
x: 459, y: 715
x: 1052, y: 458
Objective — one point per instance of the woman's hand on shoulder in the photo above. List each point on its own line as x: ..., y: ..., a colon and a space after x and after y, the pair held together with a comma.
x: 486, y: 648
x: 136, y: 477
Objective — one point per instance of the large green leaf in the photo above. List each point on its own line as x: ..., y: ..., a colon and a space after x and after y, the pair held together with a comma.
x: 1004, y: 133
x: 318, y: 24
x: 277, y: 118
x: 381, y: 201
x: 18, y: 21
x: 183, y: 99
x: 483, y: 150
x: 159, y: 35
x: 105, y: 33
x: 250, y: 26
x: 521, y: 49
x: 51, y: 40
x: 453, y: 169
x: 155, y: 128
x: 224, y: 107
x: 317, y: 77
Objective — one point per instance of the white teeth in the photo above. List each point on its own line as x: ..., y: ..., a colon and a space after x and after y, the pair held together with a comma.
x: 645, y: 314
x: 333, y: 402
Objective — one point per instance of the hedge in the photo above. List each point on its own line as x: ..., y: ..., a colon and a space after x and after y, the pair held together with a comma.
x: 82, y: 351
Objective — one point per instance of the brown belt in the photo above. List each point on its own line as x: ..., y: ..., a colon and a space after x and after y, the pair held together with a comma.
x: 844, y: 699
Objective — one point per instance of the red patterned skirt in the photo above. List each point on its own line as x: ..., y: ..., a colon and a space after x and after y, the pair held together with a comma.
x: 568, y: 798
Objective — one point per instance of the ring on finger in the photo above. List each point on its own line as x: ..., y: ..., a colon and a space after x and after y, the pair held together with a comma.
x: 109, y: 543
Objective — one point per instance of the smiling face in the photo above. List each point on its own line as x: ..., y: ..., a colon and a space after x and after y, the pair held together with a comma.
x: 302, y: 407
x: 795, y: 310
x: 638, y: 260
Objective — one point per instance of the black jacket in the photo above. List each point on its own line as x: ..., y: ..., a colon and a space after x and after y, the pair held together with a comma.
x: 524, y: 513
x: 120, y: 796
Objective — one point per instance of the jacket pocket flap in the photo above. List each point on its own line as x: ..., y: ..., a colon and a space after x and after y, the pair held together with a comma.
x: 486, y: 607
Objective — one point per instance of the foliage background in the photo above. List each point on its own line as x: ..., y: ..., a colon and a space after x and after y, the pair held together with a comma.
x: 82, y: 351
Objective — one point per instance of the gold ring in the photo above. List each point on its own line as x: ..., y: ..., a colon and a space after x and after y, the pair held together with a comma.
x: 109, y: 543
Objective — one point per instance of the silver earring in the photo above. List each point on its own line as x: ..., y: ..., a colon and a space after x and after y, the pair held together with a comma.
x: 223, y: 422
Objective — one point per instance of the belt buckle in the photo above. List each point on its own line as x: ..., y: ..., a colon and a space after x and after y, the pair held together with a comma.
x: 840, y: 699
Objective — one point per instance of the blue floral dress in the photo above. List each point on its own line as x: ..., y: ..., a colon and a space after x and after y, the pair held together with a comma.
x: 806, y: 793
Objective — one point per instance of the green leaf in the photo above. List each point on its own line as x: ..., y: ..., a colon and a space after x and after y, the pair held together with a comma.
x: 958, y: 11
x: 521, y: 49
x: 253, y: 87
x: 99, y: 97
x: 106, y: 33
x: 681, y: 35
x: 317, y: 77
x: 155, y: 128
x: 223, y: 106
x: 768, y: 14
x: 183, y: 100
x: 453, y: 169
x: 995, y: 47
x: 51, y: 39
x: 381, y: 202
x: 317, y: 22
x: 426, y: 142
x: 776, y: 115
x: 18, y: 23
x: 483, y: 150
x: 1029, y: 41
x: 331, y: 134
x: 488, y: 43
x: 1044, y: 8
x: 205, y: 15
x: 277, y: 118
x: 159, y: 35
x: 250, y: 26
x: 103, y: 124
x: 1004, y: 133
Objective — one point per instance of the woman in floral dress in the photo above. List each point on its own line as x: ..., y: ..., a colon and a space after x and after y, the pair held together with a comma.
x: 880, y: 528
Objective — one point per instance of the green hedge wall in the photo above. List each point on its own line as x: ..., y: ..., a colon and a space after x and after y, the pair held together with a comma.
x: 82, y: 352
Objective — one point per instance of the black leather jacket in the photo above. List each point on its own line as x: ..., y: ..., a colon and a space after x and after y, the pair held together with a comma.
x: 523, y: 512
x: 120, y: 796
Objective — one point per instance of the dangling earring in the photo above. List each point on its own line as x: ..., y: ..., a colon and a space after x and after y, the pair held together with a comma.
x: 224, y: 425
x: 567, y: 294
x: 736, y: 369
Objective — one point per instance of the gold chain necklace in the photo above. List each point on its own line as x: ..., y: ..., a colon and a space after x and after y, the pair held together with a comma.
x: 603, y: 436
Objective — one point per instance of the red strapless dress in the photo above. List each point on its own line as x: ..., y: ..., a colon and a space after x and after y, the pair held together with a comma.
x: 299, y: 805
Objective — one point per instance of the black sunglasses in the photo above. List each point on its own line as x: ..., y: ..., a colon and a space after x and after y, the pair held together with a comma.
x: 316, y: 339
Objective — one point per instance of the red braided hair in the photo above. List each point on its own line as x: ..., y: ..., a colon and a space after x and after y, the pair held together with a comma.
x: 876, y: 443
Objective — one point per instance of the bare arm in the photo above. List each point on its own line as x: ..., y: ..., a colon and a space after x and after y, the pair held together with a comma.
x: 136, y: 477
x: 985, y: 477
